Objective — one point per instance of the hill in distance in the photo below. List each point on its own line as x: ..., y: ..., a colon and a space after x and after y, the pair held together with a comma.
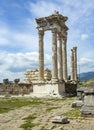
x: 86, y: 76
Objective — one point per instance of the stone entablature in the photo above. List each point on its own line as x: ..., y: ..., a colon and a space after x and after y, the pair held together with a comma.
x: 55, y: 20
x: 33, y: 75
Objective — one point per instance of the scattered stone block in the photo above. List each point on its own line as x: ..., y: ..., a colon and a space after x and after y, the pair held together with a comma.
x: 87, y: 110
x: 60, y: 120
x: 78, y: 103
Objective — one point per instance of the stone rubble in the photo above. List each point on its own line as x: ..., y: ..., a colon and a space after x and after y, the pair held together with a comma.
x: 32, y: 75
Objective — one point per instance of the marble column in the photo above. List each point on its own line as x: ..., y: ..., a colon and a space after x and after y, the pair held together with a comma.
x: 64, y: 51
x: 41, y: 55
x: 54, y: 55
x: 72, y: 65
x: 75, y: 62
x: 59, y: 56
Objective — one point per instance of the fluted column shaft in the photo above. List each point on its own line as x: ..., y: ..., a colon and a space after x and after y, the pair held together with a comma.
x: 59, y: 56
x: 64, y: 59
x: 41, y: 55
x: 72, y: 65
x: 75, y: 62
x: 54, y: 55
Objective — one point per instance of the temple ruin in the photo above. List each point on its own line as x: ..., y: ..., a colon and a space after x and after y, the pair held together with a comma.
x: 57, y: 83
x: 42, y: 81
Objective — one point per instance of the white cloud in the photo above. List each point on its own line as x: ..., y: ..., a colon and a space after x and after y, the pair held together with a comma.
x: 85, y: 64
x: 14, y: 65
x: 43, y: 8
x: 4, y: 41
x: 4, y: 32
x: 84, y: 36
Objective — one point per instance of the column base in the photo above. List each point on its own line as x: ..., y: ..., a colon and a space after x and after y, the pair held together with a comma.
x: 54, y: 80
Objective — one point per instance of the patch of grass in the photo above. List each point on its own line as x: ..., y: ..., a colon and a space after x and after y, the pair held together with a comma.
x: 61, y: 99
x: 8, y: 104
x: 28, y: 122
x: 74, y: 113
x: 51, y: 108
x: 30, y: 117
x: 54, y: 126
x: 61, y: 128
x: 27, y: 125
x: 43, y: 128
x: 87, y: 82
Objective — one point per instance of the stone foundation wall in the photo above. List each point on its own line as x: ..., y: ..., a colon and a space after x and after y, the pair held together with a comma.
x: 15, y: 88
x: 71, y: 88
x: 33, y: 75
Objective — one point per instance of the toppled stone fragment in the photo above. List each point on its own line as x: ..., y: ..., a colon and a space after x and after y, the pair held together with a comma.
x: 60, y: 119
x: 78, y: 103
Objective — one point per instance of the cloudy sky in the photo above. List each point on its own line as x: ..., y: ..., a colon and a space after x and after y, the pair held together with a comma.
x: 19, y: 38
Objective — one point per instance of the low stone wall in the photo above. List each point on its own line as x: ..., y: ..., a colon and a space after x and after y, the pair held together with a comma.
x: 15, y: 88
x: 32, y: 75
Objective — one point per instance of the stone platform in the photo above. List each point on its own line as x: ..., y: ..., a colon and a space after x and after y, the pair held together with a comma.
x: 49, y: 89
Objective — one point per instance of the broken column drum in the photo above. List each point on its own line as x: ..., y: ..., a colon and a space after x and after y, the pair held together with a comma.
x: 55, y: 23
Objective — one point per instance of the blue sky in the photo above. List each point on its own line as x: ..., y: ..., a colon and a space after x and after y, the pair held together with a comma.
x: 19, y: 38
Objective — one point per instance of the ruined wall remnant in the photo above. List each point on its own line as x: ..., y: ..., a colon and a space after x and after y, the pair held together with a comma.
x: 32, y: 75
x: 15, y: 88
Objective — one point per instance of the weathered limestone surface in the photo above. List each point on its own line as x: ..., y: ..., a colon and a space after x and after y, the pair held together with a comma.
x: 54, y: 55
x: 41, y: 55
x: 72, y: 66
x: 15, y: 88
x: 64, y: 59
x: 33, y: 75
x: 60, y: 119
x: 75, y: 62
x: 49, y: 89
x: 55, y: 23
x: 59, y: 57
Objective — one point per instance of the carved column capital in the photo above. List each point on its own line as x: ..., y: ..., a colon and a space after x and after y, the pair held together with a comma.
x: 54, y: 30
x: 40, y: 32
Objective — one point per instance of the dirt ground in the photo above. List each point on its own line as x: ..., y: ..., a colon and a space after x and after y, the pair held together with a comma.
x: 44, y: 113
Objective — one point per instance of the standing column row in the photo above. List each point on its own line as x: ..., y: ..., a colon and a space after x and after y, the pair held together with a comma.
x: 59, y: 56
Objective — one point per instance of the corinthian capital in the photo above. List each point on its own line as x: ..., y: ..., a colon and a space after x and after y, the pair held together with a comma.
x: 40, y: 32
x: 54, y: 30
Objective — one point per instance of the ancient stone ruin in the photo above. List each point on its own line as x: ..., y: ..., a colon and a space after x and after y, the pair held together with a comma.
x: 42, y: 81
x: 54, y: 82
x: 33, y: 75
x: 15, y: 88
